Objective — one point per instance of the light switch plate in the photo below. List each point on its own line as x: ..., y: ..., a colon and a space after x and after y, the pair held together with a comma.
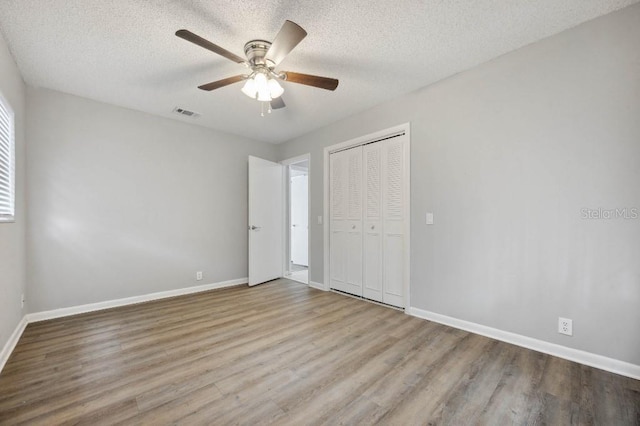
x: 429, y: 218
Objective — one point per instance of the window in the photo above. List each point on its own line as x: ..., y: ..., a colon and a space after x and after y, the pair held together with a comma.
x: 7, y: 162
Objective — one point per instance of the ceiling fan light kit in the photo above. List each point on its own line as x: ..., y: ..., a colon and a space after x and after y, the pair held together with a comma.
x: 262, y: 87
x: 262, y: 58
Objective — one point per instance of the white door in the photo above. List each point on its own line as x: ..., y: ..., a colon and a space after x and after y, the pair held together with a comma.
x: 345, y: 239
x: 373, y: 259
x: 266, y: 217
x: 369, y: 220
x: 395, y: 202
x: 300, y: 220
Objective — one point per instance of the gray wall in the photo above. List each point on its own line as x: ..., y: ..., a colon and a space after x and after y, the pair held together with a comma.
x: 12, y: 235
x: 123, y: 203
x: 507, y: 155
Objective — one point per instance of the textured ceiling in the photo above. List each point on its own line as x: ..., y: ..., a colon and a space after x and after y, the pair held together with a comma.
x: 125, y: 52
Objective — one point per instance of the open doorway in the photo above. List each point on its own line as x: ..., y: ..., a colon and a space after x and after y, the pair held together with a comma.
x: 298, y: 218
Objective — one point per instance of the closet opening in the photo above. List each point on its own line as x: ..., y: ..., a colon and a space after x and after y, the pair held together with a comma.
x: 367, y: 217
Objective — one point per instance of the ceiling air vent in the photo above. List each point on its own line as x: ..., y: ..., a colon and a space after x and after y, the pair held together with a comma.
x: 186, y: 112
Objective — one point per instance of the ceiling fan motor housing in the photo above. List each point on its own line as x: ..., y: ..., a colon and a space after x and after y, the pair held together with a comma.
x: 256, y: 50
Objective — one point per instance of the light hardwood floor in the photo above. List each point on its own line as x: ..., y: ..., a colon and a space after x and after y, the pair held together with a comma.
x: 283, y: 353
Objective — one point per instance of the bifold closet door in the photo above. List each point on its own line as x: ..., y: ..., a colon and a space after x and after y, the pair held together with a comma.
x: 369, y: 203
x: 345, y: 239
x: 372, y: 244
x: 395, y: 202
x: 384, y: 221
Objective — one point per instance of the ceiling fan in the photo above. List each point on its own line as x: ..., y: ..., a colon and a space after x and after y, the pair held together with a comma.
x: 262, y: 57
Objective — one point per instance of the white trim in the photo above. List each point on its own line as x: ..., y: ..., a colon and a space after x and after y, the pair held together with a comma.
x: 91, y: 307
x: 361, y: 140
x: 298, y: 159
x: 317, y: 286
x: 406, y: 128
x: 407, y: 218
x: 81, y: 309
x: 325, y: 219
x: 12, y: 342
x: 576, y: 355
x: 9, y: 217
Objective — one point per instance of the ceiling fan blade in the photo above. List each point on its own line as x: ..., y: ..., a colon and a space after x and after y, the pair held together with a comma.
x: 221, y: 83
x: 288, y: 37
x: 277, y: 103
x: 196, y: 39
x: 311, y: 80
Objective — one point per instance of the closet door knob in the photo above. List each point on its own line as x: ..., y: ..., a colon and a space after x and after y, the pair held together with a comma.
x: 373, y: 227
x: 353, y: 227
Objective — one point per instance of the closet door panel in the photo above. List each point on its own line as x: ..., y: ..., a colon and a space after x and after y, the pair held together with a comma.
x: 394, y: 270
x: 354, y: 223
x: 368, y: 208
x: 338, y: 221
x: 346, y: 220
x: 354, y: 263
x: 338, y: 252
x: 395, y: 203
x: 372, y: 283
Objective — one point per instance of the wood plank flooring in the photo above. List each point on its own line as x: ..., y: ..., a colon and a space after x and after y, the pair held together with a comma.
x: 284, y: 353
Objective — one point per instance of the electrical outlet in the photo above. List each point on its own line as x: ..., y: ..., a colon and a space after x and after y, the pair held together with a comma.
x: 199, y: 275
x: 565, y: 326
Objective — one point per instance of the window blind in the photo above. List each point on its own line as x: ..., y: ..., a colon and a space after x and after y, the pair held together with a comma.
x: 7, y: 162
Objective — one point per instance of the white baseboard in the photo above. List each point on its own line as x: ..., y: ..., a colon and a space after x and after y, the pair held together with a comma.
x: 12, y: 342
x: 81, y: 309
x: 74, y: 310
x: 317, y: 286
x: 576, y: 355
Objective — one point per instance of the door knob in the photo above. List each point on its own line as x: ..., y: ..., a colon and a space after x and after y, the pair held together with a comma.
x: 353, y: 227
x: 254, y: 228
x: 373, y: 227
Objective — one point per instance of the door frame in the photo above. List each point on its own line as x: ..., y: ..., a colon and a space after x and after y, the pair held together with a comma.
x: 287, y: 208
x: 362, y: 140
